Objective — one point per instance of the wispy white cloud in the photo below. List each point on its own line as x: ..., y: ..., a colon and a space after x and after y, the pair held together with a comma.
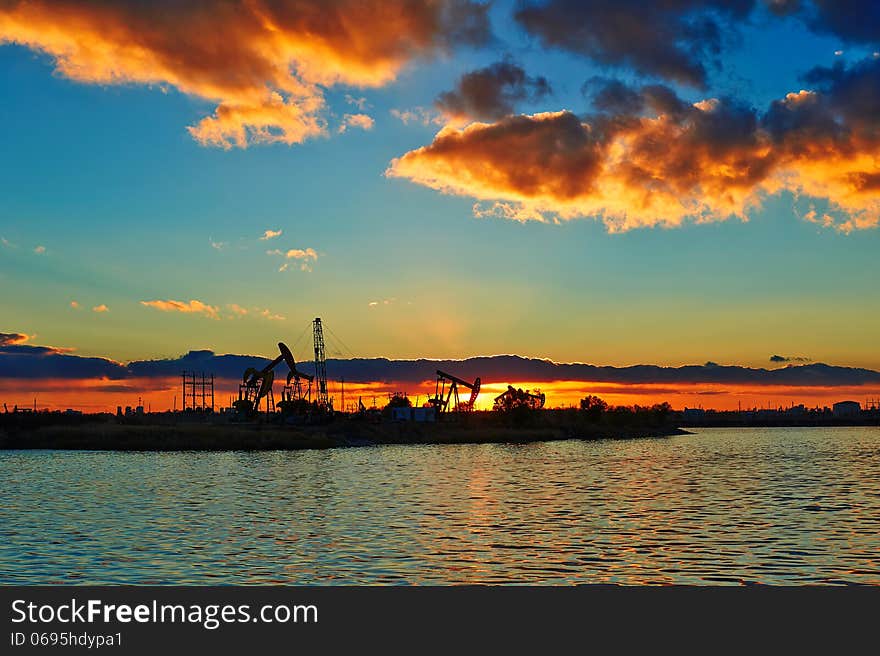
x: 304, y: 256
x: 382, y: 302
x: 361, y: 103
x: 418, y: 115
x: 40, y: 250
x: 301, y: 254
x: 271, y: 234
x: 237, y: 310
x: 271, y: 316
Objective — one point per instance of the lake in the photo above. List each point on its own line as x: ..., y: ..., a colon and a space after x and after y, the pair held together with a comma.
x: 721, y: 506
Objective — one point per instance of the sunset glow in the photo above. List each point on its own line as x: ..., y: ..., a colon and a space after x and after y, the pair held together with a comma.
x: 162, y: 394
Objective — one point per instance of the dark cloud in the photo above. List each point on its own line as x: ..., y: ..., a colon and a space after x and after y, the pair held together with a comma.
x: 28, y: 362
x: 505, y: 368
x: 783, y: 358
x: 784, y: 7
x: 839, y: 118
x: 611, y: 97
x: 222, y: 366
x: 614, y: 97
x: 672, y: 39
x: 853, y: 21
x: 852, y: 92
x: 493, y: 92
x: 19, y: 360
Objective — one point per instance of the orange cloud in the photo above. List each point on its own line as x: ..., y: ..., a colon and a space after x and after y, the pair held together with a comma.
x: 362, y: 121
x: 264, y: 63
x: 11, y: 339
x: 193, y: 307
x: 662, y: 162
x: 100, y: 308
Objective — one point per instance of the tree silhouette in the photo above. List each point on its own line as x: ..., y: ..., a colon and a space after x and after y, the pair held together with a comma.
x: 593, y: 407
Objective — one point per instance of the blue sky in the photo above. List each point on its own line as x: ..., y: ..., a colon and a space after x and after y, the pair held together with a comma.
x: 126, y: 204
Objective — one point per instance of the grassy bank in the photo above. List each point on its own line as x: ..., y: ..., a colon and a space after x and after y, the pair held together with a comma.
x: 226, y: 437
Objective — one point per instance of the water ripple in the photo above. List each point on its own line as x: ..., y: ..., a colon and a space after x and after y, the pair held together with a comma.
x: 784, y: 506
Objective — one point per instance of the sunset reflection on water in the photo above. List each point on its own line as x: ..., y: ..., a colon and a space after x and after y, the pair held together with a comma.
x: 778, y: 506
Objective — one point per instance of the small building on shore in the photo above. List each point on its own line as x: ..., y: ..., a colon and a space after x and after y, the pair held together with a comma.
x: 407, y: 413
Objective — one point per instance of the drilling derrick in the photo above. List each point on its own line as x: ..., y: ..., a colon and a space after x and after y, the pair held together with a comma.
x: 323, y: 399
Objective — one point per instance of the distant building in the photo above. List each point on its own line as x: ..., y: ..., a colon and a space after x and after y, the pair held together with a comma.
x: 413, y: 414
x: 846, y: 409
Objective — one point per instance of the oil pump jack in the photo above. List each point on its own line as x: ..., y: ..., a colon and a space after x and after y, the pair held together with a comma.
x: 446, y: 391
x: 518, y: 397
x: 294, y: 389
x: 257, y: 385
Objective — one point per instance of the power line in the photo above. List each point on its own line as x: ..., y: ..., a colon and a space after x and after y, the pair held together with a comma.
x: 350, y: 352
x: 302, y: 334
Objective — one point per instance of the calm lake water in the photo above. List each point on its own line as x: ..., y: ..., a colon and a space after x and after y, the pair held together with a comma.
x: 783, y: 506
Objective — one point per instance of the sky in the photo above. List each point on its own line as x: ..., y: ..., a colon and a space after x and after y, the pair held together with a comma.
x: 615, y: 183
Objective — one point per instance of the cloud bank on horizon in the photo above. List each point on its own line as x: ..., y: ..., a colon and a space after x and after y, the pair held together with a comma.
x: 23, y: 361
x: 640, y: 156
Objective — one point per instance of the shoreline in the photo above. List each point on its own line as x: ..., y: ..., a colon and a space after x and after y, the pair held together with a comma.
x: 260, y: 437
